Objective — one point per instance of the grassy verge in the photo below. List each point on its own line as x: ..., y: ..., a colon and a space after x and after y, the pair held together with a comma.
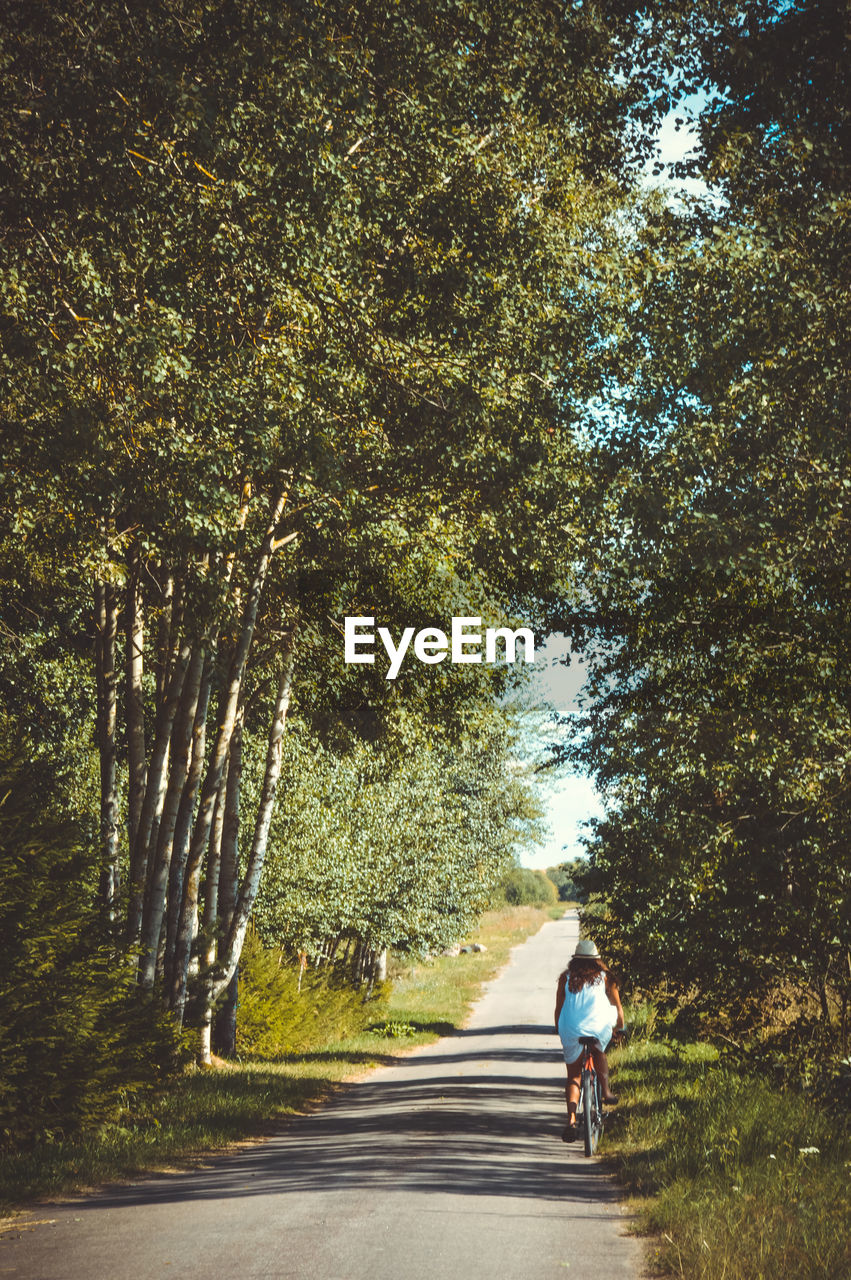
x: 436, y: 998
x: 207, y: 1110
x: 737, y: 1180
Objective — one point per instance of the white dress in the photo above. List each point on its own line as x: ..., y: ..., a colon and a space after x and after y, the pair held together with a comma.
x: 587, y: 1012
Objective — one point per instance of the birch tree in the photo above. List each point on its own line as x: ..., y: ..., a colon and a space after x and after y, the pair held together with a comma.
x: 287, y: 296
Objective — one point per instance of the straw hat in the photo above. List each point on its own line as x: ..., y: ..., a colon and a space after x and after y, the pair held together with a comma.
x: 586, y: 950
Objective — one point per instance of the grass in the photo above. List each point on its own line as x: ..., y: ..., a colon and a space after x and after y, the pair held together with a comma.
x: 435, y: 998
x: 737, y: 1180
x: 205, y: 1111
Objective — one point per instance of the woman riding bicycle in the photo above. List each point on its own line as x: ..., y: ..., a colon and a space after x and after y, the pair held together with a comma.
x: 587, y: 1004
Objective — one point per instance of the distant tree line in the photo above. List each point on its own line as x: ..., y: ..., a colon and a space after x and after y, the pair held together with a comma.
x: 568, y: 879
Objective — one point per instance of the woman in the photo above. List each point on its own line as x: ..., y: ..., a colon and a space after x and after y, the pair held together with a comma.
x: 587, y: 1004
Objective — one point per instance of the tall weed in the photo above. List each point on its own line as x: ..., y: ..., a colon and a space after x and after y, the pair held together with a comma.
x: 740, y: 1180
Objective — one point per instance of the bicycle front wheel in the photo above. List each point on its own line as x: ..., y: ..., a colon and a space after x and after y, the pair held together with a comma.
x: 588, y: 1116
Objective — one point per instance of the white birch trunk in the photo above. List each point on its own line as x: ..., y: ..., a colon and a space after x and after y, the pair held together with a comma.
x: 225, y: 1022
x: 214, y: 862
x: 155, y: 898
x: 134, y: 704
x: 106, y: 619
x: 215, y: 769
x: 257, y: 855
x: 205, y: 1037
x: 229, y: 873
x: 183, y: 825
x: 162, y: 641
x: 154, y: 795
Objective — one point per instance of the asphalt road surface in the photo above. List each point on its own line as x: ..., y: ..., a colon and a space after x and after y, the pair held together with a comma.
x: 444, y: 1166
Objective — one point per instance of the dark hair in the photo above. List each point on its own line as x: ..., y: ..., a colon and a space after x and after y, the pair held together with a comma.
x: 581, y: 970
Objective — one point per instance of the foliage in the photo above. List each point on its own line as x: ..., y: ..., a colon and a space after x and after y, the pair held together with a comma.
x: 743, y: 1177
x: 395, y: 843
x: 283, y: 1011
x: 395, y: 1030
x: 76, y: 1049
x: 718, y: 593
x: 567, y: 878
x: 298, y: 309
x: 521, y: 886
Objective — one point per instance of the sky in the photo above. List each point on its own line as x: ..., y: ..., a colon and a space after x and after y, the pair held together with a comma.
x: 676, y: 144
x: 570, y: 798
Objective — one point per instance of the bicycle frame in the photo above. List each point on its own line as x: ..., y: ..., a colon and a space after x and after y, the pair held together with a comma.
x: 589, y: 1113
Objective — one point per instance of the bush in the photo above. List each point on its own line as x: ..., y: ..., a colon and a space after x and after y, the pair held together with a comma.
x: 526, y: 888
x: 275, y: 1018
x: 75, y: 1045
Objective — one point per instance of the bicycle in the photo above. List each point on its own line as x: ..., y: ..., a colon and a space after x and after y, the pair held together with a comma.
x: 590, y: 1115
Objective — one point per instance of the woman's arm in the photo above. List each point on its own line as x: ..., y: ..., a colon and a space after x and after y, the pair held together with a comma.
x: 614, y: 998
x: 562, y: 983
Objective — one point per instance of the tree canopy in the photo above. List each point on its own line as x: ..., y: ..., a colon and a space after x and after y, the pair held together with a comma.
x: 351, y: 309
x: 300, y: 306
x: 721, y: 590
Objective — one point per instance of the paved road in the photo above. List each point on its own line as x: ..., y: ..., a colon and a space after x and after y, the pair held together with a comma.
x: 445, y: 1166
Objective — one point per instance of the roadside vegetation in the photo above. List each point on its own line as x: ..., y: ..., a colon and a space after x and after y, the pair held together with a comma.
x: 204, y: 1110
x: 567, y: 878
x: 717, y: 719
x: 735, y: 1177
x: 266, y: 366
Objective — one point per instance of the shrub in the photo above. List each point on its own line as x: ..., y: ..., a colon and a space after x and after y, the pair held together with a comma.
x: 275, y: 1018
x: 75, y: 1045
x: 524, y: 887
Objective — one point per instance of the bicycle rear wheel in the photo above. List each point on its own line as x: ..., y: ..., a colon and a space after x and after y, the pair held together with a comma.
x: 589, y: 1118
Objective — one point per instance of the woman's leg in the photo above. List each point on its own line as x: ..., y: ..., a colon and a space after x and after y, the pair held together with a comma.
x: 601, y: 1066
x: 571, y: 1094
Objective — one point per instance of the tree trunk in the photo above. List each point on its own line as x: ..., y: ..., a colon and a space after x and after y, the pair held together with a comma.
x: 224, y: 1032
x: 214, y: 862
x: 257, y: 854
x: 229, y: 874
x: 134, y: 702
x: 180, y: 753
x: 205, y: 1036
x: 215, y: 769
x: 168, y: 633
x: 183, y: 825
x: 106, y: 620
x: 207, y: 956
x: 163, y: 633
x: 154, y: 795
x: 225, y: 1029
x: 356, y: 962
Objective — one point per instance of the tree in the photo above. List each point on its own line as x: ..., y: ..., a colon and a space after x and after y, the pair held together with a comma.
x: 567, y: 878
x: 396, y: 843
x: 290, y: 297
x: 720, y: 594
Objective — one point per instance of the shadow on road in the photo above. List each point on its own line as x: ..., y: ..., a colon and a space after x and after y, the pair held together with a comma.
x: 460, y: 1122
